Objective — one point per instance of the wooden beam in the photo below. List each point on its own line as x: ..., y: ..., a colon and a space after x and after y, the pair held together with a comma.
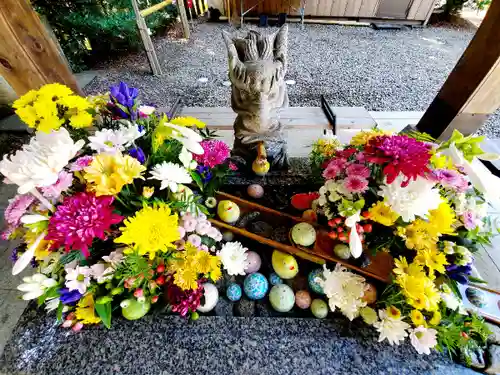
x: 155, y: 8
x: 184, y: 19
x: 29, y: 58
x: 471, y: 91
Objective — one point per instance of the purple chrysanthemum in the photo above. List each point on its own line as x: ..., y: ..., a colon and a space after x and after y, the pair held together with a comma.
x: 123, y: 101
x: 451, y: 179
x: 80, y: 219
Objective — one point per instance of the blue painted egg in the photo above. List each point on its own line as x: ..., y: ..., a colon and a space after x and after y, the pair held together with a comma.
x: 275, y: 279
x: 312, y: 279
x: 476, y: 297
x: 255, y: 286
x: 233, y: 292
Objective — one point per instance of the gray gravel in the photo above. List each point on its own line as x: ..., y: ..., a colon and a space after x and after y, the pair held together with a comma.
x: 398, y: 70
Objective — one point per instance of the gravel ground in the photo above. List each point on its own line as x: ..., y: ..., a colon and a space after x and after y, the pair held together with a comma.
x: 398, y: 70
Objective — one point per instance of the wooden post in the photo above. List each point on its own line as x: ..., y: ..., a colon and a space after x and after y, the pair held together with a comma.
x: 146, y: 40
x: 29, y: 58
x: 472, y: 90
x: 184, y: 19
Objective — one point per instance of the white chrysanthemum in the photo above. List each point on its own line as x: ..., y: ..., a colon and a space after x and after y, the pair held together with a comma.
x: 344, y: 289
x: 423, y: 339
x: 111, y: 141
x: 101, y: 272
x: 35, y: 286
x: 233, y: 257
x: 416, y: 199
x: 114, y: 258
x: 38, y: 163
x: 394, y: 330
x: 78, y: 278
x: 170, y: 175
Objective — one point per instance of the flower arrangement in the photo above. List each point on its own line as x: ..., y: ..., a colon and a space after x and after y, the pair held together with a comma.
x: 103, y: 208
x: 425, y: 204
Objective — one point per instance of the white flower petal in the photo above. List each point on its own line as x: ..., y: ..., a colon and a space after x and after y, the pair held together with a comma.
x: 34, y: 218
x: 25, y: 259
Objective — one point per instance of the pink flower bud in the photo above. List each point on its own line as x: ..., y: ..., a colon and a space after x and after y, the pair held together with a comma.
x: 77, y: 327
x: 138, y: 293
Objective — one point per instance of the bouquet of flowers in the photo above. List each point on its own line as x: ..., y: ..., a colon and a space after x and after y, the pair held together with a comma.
x: 423, y: 202
x: 103, y: 210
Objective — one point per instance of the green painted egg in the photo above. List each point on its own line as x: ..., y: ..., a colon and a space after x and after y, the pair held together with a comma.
x: 133, y: 309
x: 282, y: 298
x: 342, y: 251
x: 303, y: 234
x: 313, y: 280
x: 319, y: 308
x: 476, y: 297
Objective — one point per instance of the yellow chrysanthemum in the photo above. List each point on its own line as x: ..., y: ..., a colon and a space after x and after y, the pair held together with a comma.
x: 85, y: 311
x: 81, y: 120
x: 186, y: 279
x: 433, y: 259
x: 188, y: 121
x: 402, y: 268
x: 28, y: 115
x: 363, y: 137
x: 326, y: 147
x: 383, y: 214
x: 75, y: 103
x: 152, y: 229
x: 42, y: 250
x: 417, y: 235
x: 393, y: 312
x: 417, y: 318
x: 420, y: 291
x: 47, y: 113
x: 216, y: 274
x: 436, y: 318
x: 147, y: 192
x: 25, y: 100
x: 203, y: 262
x: 54, y: 91
x: 441, y: 220
x: 440, y: 161
x: 107, y: 174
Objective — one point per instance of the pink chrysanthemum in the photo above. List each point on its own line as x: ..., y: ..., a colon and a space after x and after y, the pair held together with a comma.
x: 17, y: 208
x: 359, y: 170
x: 79, y: 219
x: 80, y: 163
x: 334, y: 168
x: 355, y: 184
x: 451, y: 179
x: 63, y: 183
x: 215, y: 153
x: 399, y: 154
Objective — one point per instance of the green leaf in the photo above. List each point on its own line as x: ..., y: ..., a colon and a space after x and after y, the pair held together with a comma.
x: 104, y: 312
x: 71, y: 256
x: 476, y: 280
x: 196, y: 177
x: 59, y: 312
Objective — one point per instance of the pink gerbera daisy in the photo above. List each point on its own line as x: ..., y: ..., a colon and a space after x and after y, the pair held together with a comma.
x: 359, y: 170
x: 334, y: 168
x: 355, y: 184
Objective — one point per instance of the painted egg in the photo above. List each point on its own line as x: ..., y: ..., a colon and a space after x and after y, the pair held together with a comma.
x: 253, y: 262
x: 370, y: 295
x: 303, y: 201
x: 255, y: 286
x: 282, y: 298
x: 284, y: 265
x: 274, y: 279
x: 303, y: 234
x: 233, y: 292
x: 255, y: 191
x: 312, y: 279
x: 476, y: 297
x: 132, y: 309
x: 303, y: 299
x: 211, y: 297
x: 342, y: 251
x: 319, y: 308
x: 228, y: 236
x: 228, y: 211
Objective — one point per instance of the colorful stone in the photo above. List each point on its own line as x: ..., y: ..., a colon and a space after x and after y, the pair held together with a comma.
x: 476, y: 297
x: 282, y: 298
x: 255, y: 191
x: 313, y: 280
x: 255, y: 286
x: 319, y: 308
x: 234, y: 292
x: 303, y: 201
x: 253, y: 262
x: 274, y: 279
x: 303, y: 299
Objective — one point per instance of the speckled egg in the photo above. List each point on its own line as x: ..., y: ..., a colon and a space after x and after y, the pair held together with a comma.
x: 274, y: 279
x: 211, y: 297
x: 303, y: 299
x: 255, y: 191
x: 476, y: 297
x: 303, y: 234
x: 319, y: 308
x: 255, y: 286
x: 234, y: 292
x: 253, y: 262
x: 342, y: 251
x: 282, y: 298
x: 312, y: 279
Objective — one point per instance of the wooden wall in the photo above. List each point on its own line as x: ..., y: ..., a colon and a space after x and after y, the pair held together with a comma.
x: 334, y: 8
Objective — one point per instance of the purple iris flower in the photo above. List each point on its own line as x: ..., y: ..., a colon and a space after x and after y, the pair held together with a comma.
x: 459, y: 273
x: 138, y: 154
x: 125, y: 96
x: 204, y: 173
x: 68, y: 297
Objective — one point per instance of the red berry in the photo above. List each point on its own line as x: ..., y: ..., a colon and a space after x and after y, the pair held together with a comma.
x: 332, y: 235
x: 367, y: 228
x: 160, y: 280
x: 331, y: 223
x: 160, y: 268
x: 340, y: 229
x: 365, y: 214
x: 138, y: 293
x: 342, y: 237
x: 360, y: 229
x: 154, y: 299
x: 464, y: 335
x: 337, y: 220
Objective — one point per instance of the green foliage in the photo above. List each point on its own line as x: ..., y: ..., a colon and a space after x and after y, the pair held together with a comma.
x: 104, y: 26
x: 104, y: 312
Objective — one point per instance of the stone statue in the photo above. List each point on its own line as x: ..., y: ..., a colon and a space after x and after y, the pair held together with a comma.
x: 257, y: 68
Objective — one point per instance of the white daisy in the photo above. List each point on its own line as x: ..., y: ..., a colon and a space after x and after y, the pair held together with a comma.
x: 423, y: 339
x: 394, y: 330
x: 233, y: 257
x: 35, y: 286
x: 111, y: 141
x: 78, y: 278
x: 170, y: 175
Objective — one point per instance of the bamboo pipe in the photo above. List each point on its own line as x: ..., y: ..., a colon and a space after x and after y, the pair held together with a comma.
x: 154, y: 8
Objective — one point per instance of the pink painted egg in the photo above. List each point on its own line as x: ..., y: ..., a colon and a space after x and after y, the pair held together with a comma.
x: 303, y: 299
x: 253, y: 262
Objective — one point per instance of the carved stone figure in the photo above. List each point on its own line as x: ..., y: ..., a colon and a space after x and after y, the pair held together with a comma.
x: 257, y: 68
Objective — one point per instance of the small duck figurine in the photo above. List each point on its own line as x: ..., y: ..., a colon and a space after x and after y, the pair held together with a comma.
x: 260, y: 165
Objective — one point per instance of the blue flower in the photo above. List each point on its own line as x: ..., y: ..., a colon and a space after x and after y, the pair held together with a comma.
x: 125, y: 96
x: 138, y: 154
x: 204, y: 173
x: 459, y: 273
x: 68, y: 297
